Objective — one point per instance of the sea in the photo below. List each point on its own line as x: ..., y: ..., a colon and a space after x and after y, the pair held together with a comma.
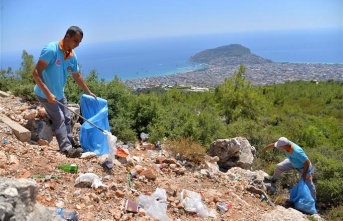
x: 140, y: 58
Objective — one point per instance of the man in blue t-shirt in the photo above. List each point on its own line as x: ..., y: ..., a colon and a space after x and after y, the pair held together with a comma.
x: 56, y: 61
x: 296, y: 159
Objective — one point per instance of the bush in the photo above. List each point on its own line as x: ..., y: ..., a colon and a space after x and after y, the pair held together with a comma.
x: 127, y: 135
x: 25, y: 91
x: 328, y: 175
x: 330, y: 191
x: 186, y: 149
x: 336, y: 214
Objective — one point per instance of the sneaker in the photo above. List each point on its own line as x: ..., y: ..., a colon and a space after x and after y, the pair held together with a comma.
x: 73, y: 152
x: 75, y: 144
x: 271, y: 188
x: 269, y: 179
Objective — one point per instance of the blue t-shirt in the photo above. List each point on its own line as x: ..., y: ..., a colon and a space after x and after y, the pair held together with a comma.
x: 56, y: 73
x: 297, y: 157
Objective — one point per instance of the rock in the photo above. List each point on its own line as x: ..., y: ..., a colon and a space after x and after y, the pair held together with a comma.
x: 235, y: 152
x: 29, y: 114
x: 22, y: 133
x: 150, y: 174
x: 282, y: 214
x: 18, y: 201
x: 4, y: 94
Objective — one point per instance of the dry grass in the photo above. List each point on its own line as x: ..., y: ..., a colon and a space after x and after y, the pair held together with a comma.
x: 186, y: 149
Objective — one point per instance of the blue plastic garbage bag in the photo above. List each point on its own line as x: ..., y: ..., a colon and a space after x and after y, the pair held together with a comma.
x: 301, y: 196
x: 96, y: 111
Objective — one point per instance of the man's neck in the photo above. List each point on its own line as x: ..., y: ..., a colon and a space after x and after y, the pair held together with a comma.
x: 289, y: 149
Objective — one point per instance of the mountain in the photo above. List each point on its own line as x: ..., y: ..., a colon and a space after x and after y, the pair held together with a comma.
x: 228, y: 54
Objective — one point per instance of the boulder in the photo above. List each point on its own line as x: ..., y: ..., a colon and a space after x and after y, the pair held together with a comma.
x: 235, y: 152
x: 280, y: 213
x: 18, y: 201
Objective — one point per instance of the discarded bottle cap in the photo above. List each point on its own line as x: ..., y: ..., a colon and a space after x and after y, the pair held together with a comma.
x: 109, y: 163
x: 133, y: 173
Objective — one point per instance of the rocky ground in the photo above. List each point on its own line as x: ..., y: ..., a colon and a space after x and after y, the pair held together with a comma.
x: 234, y: 188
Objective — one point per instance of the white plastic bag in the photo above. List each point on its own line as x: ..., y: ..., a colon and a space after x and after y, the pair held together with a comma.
x: 155, y: 205
x: 192, y: 203
x: 91, y: 178
x: 160, y: 194
x: 112, y: 143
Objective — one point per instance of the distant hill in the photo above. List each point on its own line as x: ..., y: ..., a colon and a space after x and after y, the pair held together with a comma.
x: 228, y: 54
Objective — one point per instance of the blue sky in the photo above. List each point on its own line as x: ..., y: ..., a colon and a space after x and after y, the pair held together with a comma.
x: 31, y: 24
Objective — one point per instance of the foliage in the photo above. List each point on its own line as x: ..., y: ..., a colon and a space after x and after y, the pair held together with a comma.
x: 149, y: 90
x: 20, y: 82
x: 26, y: 68
x: 328, y: 173
x: 7, y: 79
x: 236, y: 98
x: 178, y: 114
x: 336, y: 214
x: 24, y: 91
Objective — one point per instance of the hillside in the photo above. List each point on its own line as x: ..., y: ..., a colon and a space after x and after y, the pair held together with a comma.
x: 232, y: 54
x: 237, y: 187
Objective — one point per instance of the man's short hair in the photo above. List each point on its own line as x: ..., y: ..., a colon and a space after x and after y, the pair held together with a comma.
x: 73, y: 30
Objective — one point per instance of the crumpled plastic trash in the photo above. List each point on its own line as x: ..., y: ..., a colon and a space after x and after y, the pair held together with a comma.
x: 88, y: 155
x: 192, y: 203
x: 155, y: 205
x: 91, y: 178
x: 144, y: 136
x: 112, y: 142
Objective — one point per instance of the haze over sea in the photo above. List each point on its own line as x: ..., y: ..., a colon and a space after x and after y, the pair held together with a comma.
x: 163, y: 56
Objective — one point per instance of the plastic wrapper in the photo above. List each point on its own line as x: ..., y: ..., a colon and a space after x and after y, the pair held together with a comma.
x: 155, y: 205
x: 192, y: 203
x: 91, y: 178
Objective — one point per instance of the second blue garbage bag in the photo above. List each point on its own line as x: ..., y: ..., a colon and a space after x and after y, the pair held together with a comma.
x: 301, y: 196
x: 96, y: 111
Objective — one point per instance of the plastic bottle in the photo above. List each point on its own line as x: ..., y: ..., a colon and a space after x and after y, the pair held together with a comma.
x: 112, y: 143
x: 65, y: 214
x: 72, y: 168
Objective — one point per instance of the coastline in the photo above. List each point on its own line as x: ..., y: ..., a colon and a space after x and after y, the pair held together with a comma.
x: 258, y: 74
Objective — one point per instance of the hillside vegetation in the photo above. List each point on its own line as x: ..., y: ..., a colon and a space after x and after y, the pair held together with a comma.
x: 308, y: 113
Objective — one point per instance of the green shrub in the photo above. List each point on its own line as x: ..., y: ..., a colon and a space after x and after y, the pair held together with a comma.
x: 330, y: 191
x: 25, y: 91
x: 336, y: 214
x: 127, y: 135
x: 328, y: 175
